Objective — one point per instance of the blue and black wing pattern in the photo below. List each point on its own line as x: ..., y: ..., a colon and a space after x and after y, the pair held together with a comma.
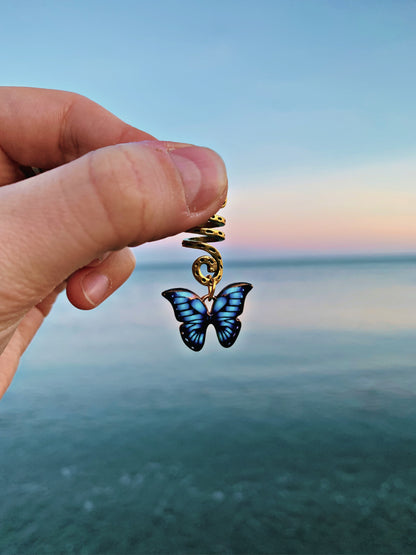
x: 191, y: 311
x: 227, y: 306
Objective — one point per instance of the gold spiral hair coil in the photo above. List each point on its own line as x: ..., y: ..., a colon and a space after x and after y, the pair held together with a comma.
x: 196, y: 313
x: 213, y: 262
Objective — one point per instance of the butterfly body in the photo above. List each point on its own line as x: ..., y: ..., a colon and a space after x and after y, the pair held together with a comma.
x: 195, y: 317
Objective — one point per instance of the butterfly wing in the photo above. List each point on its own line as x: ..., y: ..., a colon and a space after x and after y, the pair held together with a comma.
x: 191, y: 311
x: 227, y: 306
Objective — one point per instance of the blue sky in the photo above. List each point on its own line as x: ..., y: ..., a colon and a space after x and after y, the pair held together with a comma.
x: 290, y: 93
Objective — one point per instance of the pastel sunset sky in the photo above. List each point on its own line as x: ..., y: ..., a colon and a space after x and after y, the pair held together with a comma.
x: 312, y: 104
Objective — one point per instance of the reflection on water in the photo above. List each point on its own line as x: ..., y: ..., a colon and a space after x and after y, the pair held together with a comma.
x: 115, y: 438
x: 366, y: 296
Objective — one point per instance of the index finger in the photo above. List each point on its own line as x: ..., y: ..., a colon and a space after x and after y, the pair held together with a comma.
x: 46, y: 128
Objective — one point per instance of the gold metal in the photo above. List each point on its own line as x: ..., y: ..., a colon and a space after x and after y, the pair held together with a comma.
x: 213, y: 262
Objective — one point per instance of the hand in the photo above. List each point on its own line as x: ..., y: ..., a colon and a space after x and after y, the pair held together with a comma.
x: 110, y: 186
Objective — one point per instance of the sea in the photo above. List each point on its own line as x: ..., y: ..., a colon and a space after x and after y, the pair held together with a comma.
x: 115, y: 438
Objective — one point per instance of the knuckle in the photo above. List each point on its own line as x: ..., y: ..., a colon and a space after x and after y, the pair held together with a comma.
x: 118, y: 192
x: 136, y: 194
x: 68, y: 141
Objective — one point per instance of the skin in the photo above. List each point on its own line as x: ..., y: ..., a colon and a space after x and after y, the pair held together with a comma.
x: 109, y: 186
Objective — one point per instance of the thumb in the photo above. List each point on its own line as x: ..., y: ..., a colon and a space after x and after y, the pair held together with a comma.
x: 56, y: 222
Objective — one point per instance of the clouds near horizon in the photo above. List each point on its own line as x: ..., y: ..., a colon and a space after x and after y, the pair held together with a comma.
x: 369, y: 208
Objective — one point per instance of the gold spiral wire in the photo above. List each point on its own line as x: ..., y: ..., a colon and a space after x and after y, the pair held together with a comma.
x: 213, y: 262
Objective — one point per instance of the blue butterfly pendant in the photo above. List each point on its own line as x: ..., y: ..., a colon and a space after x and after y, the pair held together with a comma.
x: 191, y: 310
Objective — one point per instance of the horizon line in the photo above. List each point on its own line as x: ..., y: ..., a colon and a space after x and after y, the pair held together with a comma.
x: 295, y: 260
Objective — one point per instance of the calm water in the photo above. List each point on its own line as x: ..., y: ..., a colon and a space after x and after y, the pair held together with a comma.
x: 115, y: 438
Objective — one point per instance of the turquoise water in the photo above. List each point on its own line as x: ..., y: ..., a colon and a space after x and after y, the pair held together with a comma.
x: 301, y: 439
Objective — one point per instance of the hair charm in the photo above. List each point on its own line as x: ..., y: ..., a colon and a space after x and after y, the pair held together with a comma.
x: 191, y: 310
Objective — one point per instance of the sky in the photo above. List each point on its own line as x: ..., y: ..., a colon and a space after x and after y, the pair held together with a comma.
x: 311, y: 104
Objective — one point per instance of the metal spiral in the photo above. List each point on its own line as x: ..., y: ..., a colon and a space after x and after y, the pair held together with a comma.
x: 213, y: 262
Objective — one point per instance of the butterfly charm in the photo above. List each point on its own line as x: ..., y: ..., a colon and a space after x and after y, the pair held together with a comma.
x: 191, y: 310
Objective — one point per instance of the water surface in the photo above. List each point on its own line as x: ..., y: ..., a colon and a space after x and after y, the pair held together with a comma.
x: 115, y: 438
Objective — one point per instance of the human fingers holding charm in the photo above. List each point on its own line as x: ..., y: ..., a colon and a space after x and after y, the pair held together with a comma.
x: 107, y: 185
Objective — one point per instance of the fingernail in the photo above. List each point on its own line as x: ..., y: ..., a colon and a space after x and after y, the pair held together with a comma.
x: 95, y: 287
x: 203, y: 175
